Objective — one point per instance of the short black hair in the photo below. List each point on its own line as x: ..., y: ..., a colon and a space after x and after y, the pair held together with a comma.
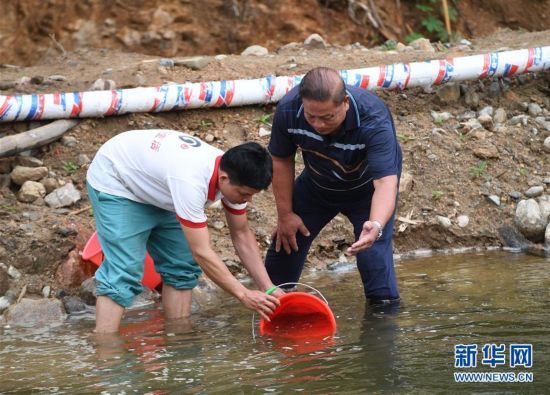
x: 322, y: 84
x: 248, y: 164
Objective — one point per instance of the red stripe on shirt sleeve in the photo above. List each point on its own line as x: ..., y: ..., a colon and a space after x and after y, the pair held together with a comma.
x: 233, y: 211
x: 191, y: 224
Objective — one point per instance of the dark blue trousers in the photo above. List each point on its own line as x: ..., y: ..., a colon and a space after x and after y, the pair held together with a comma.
x: 317, y: 207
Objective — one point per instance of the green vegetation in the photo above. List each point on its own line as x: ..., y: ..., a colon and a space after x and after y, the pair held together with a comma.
x: 389, y: 45
x: 70, y: 167
x: 265, y: 119
x: 479, y: 170
x: 436, y: 195
x: 433, y: 18
x: 413, y: 36
x: 205, y: 124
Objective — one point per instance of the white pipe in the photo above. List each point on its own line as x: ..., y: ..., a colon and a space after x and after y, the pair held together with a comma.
x: 265, y: 90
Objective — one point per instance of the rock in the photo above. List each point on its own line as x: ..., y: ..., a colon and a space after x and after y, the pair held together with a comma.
x: 193, y: 62
x: 255, y: 50
x: 6, y: 85
x: 209, y: 138
x: 4, y: 282
x: 547, y: 238
x: 515, y: 195
x: 448, y: 93
x: 467, y: 115
x: 83, y: 160
x: 471, y: 98
x: 315, y: 41
x: 443, y: 221
x: 73, y: 304
x: 488, y: 110
x: 14, y: 273
x: 471, y: 125
x: 542, y: 123
x: 103, y: 85
x: 72, y: 272
x: 534, y: 191
x: 405, y: 183
x: 263, y: 132
x: 146, y: 298
x: 69, y: 141
x: 29, y: 161
x: 440, y: 117
x: 87, y: 291
x: 462, y: 221
x: 30, y: 191
x: 218, y: 225
x: 5, y: 181
x: 129, y: 37
x: 486, y: 121
x: 36, y: 313
x: 544, y: 206
x: 546, y: 145
x: 494, y: 89
x: 494, y: 199
x: 529, y: 220
x: 57, y: 77
x: 534, y: 109
x: 63, y: 196
x: 20, y: 174
x: 50, y: 184
x: 5, y: 165
x: 486, y: 150
x: 46, y: 291
x: 4, y: 304
x: 519, y: 119
x: 422, y: 44
x: 166, y: 63
x: 500, y: 116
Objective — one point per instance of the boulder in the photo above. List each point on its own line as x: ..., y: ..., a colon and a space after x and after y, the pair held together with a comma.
x: 36, y: 312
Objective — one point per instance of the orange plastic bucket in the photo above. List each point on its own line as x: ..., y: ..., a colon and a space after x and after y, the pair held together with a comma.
x: 300, y: 315
x: 92, y: 252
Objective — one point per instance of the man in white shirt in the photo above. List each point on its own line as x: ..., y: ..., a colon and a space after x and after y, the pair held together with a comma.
x: 146, y: 186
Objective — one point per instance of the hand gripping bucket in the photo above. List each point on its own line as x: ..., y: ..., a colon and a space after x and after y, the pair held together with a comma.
x: 92, y: 252
x: 300, y: 315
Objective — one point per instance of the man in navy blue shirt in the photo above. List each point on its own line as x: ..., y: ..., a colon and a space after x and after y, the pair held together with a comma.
x: 352, y: 166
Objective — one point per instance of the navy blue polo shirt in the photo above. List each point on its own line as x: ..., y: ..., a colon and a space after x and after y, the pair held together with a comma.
x: 365, y: 149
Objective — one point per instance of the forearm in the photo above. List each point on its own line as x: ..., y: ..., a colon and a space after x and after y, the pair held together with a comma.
x: 283, y: 183
x: 383, y: 200
x: 249, y: 253
x: 215, y: 269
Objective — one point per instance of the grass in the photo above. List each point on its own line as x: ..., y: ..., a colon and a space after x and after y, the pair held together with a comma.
x: 264, y: 119
x: 70, y: 167
x: 479, y: 170
x: 436, y: 195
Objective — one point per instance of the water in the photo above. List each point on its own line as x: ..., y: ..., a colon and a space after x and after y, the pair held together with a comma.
x: 478, y: 299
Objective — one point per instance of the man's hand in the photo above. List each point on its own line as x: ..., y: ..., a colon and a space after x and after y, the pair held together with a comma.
x: 285, y: 233
x: 260, y: 302
x: 366, y: 238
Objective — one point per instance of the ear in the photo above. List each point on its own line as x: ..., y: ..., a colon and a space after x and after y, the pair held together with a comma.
x: 222, y: 176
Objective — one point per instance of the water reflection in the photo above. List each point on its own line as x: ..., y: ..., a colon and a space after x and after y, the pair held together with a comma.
x: 469, y: 299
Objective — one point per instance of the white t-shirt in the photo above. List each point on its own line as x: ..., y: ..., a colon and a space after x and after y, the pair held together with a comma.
x: 165, y: 168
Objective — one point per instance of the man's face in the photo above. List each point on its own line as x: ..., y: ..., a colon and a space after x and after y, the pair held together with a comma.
x: 326, y: 117
x: 236, y: 194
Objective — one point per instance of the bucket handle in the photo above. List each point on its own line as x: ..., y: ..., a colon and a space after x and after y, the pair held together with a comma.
x: 280, y: 285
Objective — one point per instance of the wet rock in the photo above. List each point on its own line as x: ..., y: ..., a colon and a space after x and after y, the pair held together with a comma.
x: 87, y: 291
x: 529, y: 220
x: 73, y: 304
x: 534, y: 191
x: 63, y: 196
x: 30, y: 191
x: 29, y: 161
x: 4, y: 282
x: 36, y: 313
x: 546, y: 145
x: 315, y: 41
x: 71, y: 273
x: 146, y: 298
x: 462, y: 221
x: 193, y: 62
x: 255, y: 50
x: 512, y: 238
x: 20, y: 174
x: 500, y: 116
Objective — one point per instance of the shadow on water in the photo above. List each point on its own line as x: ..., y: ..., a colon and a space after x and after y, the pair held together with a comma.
x: 480, y: 299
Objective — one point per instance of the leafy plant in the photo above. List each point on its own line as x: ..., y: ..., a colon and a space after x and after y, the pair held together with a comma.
x: 265, y: 119
x: 436, y: 195
x: 433, y: 19
x: 389, y: 45
x: 205, y: 124
x: 479, y: 170
x: 70, y: 167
